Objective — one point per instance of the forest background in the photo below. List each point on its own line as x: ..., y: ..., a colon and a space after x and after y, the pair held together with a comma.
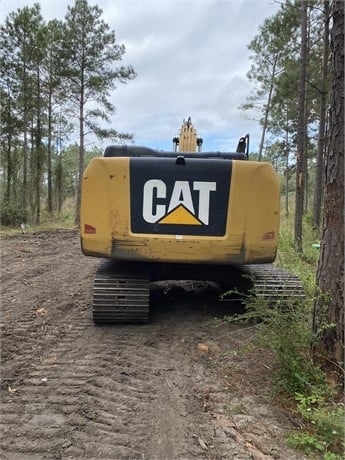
x: 56, y: 81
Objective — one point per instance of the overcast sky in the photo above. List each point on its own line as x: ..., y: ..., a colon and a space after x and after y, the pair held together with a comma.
x: 191, y: 59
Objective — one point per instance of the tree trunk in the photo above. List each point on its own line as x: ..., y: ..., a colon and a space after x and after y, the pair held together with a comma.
x: 287, y: 149
x: 25, y: 148
x: 318, y: 191
x: 49, y: 154
x: 59, y: 169
x: 267, y: 110
x: 301, y: 132
x: 38, y: 156
x: 81, y: 159
x: 329, y: 305
x: 8, y: 149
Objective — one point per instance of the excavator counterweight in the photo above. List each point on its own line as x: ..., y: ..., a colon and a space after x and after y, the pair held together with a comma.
x: 180, y: 215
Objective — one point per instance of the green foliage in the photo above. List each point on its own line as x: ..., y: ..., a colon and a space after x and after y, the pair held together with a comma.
x: 49, y: 221
x: 286, y: 329
x: 54, y: 72
x: 89, y: 53
x: 305, y: 265
x: 12, y: 214
x: 324, y: 432
x: 65, y: 219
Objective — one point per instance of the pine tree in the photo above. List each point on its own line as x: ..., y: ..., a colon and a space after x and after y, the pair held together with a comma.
x: 322, y: 131
x: 90, y: 51
x: 20, y: 50
x: 54, y: 97
x: 301, y: 141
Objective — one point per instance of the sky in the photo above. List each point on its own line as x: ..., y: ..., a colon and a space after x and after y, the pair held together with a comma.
x: 191, y: 58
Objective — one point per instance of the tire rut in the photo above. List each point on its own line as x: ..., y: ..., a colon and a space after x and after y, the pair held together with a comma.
x: 87, y: 383
x: 70, y: 390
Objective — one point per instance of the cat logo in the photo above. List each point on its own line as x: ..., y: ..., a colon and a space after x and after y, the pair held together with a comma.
x: 170, y: 199
x: 180, y: 209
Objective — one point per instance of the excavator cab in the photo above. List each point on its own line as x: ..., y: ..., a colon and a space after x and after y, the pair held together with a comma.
x: 243, y: 145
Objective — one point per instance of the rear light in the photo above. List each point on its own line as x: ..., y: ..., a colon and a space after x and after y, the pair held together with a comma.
x: 268, y: 236
x: 89, y: 229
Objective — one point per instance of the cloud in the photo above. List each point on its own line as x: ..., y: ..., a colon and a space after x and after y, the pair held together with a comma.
x: 191, y: 59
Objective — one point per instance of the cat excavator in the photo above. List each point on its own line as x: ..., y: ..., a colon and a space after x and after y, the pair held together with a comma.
x: 185, y: 214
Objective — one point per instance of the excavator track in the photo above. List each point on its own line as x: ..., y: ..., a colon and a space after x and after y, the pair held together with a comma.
x: 120, y: 294
x: 273, y: 284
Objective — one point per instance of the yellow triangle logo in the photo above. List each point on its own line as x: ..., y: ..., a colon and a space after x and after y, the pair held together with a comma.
x: 180, y: 215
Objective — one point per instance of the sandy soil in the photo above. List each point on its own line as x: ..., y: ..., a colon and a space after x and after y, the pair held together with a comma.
x: 184, y: 386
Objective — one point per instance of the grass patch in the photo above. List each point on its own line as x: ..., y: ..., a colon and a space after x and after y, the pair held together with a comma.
x: 66, y: 219
x: 287, y: 331
x: 305, y: 265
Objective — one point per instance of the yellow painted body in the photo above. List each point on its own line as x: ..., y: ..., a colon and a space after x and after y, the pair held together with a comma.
x: 187, y: 140
x: 187, y: 137
x: 251, y: 228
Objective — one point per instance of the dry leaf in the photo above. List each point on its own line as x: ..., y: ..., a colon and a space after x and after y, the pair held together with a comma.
x: 202, y: 347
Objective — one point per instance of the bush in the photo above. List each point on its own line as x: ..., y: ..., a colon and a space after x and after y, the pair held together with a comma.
x: 12, y: 214
x: 325, y: 430
x: 286, y: 330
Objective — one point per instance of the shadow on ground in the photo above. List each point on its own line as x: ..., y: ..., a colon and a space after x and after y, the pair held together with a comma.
x: 195, y: 299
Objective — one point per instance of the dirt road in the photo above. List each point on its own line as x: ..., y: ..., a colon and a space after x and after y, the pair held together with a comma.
x: 181, y: 387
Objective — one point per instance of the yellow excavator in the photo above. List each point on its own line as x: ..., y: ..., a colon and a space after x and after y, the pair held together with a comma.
x: 187, y: 140
x: 180, y: 215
